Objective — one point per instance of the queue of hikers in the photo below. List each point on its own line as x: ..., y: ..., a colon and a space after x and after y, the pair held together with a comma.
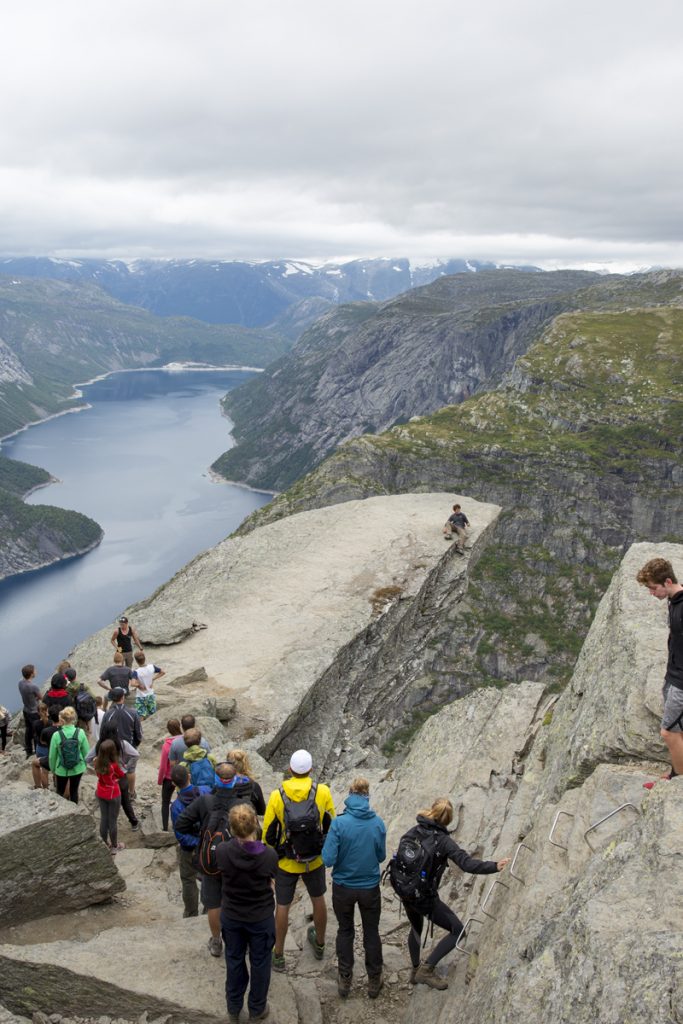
x: 245, y: 873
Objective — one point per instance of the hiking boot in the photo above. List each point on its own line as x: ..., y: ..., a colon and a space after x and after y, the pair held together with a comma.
x: 215, y: 945
x: 318, y: 950
x: 233, y: 1018
x: 135, y: 827
x: 413, y: 972
x: 262, y: 1015
x: 424, y: 975
x: 343, y: 984
x: 278, y: 961
x: 375, y: 982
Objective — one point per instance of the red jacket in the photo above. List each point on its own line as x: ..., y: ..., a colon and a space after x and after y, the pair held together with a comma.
x: 164, y: 763
x: 107, y: 785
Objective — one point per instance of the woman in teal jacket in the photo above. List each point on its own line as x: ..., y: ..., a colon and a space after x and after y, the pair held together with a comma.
x: 354, y: 849
x: 68, y: 749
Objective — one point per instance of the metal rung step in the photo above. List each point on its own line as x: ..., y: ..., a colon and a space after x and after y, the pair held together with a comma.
x: 611, y: 814
x: 463, y: 934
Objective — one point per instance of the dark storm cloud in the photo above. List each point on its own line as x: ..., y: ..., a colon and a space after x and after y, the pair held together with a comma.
x: 513, y: 131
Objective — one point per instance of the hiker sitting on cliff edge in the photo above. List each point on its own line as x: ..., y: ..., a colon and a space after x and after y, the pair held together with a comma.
x: 457, y: 525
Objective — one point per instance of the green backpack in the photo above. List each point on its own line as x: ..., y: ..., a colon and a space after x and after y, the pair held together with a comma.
x: 70, y: 749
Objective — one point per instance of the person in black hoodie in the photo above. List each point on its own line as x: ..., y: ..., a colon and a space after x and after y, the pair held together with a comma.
x: 432, y: 831
x: 248, y: 869
x: 229, y: 789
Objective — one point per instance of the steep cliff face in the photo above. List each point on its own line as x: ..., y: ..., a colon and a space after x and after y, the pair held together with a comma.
x: 360, y: 369
x: 581, y: 447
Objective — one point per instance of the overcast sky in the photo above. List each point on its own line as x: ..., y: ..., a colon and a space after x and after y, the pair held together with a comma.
x: 540, y: 130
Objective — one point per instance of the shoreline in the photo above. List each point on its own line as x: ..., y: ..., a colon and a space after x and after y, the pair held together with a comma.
x: 218, y: 479
x: 77, y: 393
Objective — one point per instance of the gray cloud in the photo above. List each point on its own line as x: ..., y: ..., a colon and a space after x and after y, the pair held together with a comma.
x: 509, y: 131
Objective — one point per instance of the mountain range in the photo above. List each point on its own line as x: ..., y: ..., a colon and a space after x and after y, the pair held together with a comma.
x: 283, y: 294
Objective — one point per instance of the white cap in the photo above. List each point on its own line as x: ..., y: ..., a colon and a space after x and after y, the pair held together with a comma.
x: 301, y: 762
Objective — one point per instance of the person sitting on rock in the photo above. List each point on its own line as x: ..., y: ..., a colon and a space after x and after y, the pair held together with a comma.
x: 431, y: 834
x: 457, y: 525
x: 229, y: 788
x: 354, y: 848
x: 179, y: 746
x: 188, y: 842
x: 144, y: 677
x: 248, y: 869
x: 299, y: 856
x: 240, y: 759
x: 200, y: 764
x: 660, y: 579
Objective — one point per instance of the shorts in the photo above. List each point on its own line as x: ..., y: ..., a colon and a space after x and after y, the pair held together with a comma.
x: 211, y: 891
x: 285, y: 884
x: 673, y: 708
x: 44, y: 762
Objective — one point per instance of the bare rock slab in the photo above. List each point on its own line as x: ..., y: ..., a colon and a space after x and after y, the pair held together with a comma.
x: 280, y: 602
x: 48, y: 844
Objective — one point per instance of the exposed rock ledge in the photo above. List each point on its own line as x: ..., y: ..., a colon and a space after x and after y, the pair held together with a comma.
x: 280, y: 603
x: 588, y: 930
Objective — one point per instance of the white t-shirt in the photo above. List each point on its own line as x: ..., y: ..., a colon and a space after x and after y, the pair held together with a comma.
x: 144, y: 675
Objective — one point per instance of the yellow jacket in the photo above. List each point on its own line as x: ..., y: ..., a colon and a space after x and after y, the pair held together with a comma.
x: 297, y: 789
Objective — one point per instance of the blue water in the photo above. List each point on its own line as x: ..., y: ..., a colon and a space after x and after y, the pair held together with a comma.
x: 137, y: 462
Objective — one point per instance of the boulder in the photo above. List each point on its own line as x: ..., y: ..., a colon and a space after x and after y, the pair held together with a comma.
x: 197, y: 675
x: 49, y: 844
x: 612, y: 709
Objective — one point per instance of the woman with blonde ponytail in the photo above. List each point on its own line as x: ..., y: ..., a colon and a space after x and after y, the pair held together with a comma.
x: 247, y: 912
x: 429, y: 846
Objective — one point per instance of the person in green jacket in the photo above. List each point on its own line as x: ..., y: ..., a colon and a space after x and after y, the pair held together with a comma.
x: 68, y: 749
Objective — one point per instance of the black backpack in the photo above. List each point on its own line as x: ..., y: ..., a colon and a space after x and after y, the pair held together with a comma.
x: 70, y: 749
x: 303, y: 834
x: 414, y: 870
x: 217, y: 829
x: 85, y: 705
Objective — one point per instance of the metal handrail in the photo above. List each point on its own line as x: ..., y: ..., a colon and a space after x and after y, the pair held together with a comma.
x: 463, y: 934
x: 482, y: 906
x: 554, y: 826
x: 611, y: 814
x: 514, y: 861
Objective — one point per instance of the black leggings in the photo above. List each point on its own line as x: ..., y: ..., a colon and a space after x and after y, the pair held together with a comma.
x: 167, y: 789
x: 126, y: 805
x: 443, y: 917
x: 3, y: 735
x: 74, y: 782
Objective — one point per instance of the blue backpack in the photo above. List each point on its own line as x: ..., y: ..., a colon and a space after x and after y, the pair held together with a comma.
x: 202, y: 772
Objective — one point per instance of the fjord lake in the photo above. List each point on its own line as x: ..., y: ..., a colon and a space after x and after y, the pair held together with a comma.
x: 137, y: 461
